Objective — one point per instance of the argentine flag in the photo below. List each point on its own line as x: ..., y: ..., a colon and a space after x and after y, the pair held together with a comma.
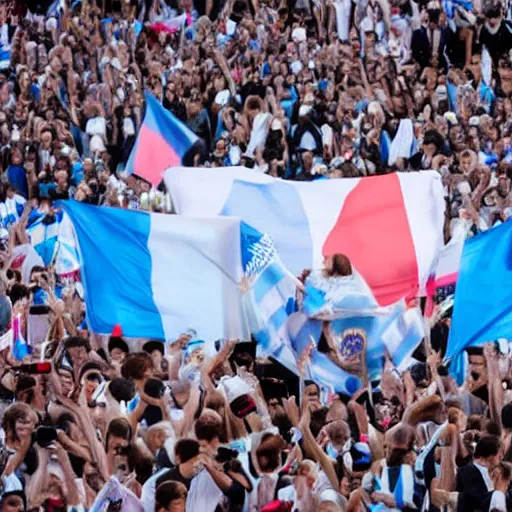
x: 5, y: 47
x: 158, y: 275
x: 43, y: 231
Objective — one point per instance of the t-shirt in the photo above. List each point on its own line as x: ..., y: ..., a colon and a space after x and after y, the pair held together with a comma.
x: 174, y: 474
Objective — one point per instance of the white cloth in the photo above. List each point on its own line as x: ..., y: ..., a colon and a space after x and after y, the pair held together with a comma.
x: 402, y: 143
x: 407, y: 488
x: 498, y: 501
x: 222, y: 97
x: 204, y: 495
x: 486, y: 65
x: 342, y: 9
x: 96, y: 126
x: 114, y: 491
x: 147, y: 497
x: 307, y: 142
x: 24, y: 258
x: 259, y: 132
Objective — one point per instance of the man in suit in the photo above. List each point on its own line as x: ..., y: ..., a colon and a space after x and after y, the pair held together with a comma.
x: 428, y: 42
x: 474, y: 483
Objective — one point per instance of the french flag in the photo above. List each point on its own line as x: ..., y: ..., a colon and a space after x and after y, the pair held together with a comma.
x: 158, y: 275
x: 391, y: 227
x: 162, y: 142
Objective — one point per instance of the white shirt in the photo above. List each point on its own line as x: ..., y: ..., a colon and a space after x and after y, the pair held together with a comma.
x: 148, y: 491
x: 96, y: 126
x: 485, y: 475
x: 204, y: 495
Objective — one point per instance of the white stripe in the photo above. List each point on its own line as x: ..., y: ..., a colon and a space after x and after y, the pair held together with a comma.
x: 424, y: 203
x: 270, y: 303
x: 196, y: 268
x: 323, y: 202
x: 198, y: 192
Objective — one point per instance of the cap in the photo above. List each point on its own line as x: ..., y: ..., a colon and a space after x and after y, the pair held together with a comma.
x: 117, y: 331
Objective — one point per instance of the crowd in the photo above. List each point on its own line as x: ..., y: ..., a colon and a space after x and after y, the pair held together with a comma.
x: 299, y: 90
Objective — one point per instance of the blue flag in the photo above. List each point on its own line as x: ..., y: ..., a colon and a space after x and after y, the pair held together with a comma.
x: 483, y: 300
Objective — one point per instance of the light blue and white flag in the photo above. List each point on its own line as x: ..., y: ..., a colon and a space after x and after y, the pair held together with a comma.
x: 356, y: 323
x: 5, y: 47
x: 67, y: 259
x: 43, y: 233
x: 269, y: 297
x: 56, y: 8
x: 158, y: 275
x: 11, y: 210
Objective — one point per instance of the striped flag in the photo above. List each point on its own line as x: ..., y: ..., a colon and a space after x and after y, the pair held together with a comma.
x: 67, y: 259
x: 11, y: 210
x: 390, y: 227
x: 5, y: 47
x: 20, y: 347
x: 162, y: 142
x: 43, y: 232
x: 269, y: 288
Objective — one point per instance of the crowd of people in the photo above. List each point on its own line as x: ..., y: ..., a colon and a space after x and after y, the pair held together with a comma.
x: 299, y: 90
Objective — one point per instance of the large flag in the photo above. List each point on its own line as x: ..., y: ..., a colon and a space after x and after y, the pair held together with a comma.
x: 391, y: 227
x: 483, y: 300
x: 158, y: 275
x: 162, y: 142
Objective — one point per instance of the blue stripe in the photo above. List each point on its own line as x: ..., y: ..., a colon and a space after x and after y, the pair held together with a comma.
x: 406, y: 347
x: 279, y: 318
x: 177, y: 134
x: 267, y: 280
x: 263, y: 341
x: 276, y: 209
x: 399, y: 491
x: 117, y: 267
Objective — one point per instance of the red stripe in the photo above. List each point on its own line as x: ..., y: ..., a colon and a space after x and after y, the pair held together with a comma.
x: 447, y: 280
x: 153, y: 156
x: 373, y: 231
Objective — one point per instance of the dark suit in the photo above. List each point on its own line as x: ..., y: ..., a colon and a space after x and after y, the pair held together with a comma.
x: 474, y: 496
x: 421, y: 47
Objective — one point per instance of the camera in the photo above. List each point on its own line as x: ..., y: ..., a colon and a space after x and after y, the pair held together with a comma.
x: 45, y: 436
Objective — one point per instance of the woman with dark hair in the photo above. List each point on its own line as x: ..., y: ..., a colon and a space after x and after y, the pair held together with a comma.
x: 19, y: 422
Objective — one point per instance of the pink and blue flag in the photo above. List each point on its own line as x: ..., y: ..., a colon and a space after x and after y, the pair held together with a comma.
x: 162, y: 142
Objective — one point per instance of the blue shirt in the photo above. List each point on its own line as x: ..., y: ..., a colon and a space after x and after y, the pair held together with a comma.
x: 18, y: 179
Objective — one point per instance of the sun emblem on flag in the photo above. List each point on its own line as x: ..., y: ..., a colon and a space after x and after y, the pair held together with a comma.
x: 352, y: 342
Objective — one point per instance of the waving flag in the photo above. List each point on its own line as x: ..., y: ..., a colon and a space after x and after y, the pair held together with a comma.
x: 43, y: 231
x: 357, y: 324
x: 5, y: 47
x: 162, y: 142
x: 391, y: 227
x: 20, y: 347
x: 159, y: 275
x: 483, y: 302
x: 67, y: 260
x: 11, y: 210
x: 269, y: 291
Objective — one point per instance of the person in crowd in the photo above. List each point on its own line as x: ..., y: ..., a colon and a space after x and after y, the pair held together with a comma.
x: 300, y: 91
